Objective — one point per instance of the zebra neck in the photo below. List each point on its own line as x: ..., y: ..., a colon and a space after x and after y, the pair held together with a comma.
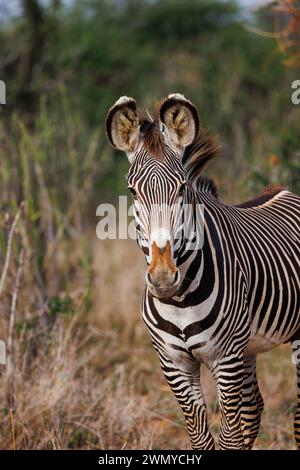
x: 196, y: 261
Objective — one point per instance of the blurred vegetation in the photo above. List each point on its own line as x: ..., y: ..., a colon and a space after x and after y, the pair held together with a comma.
x: 72, y: 61
x: 64, y: 64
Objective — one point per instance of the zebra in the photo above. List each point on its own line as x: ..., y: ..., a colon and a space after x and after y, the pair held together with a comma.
x: 236, y: 295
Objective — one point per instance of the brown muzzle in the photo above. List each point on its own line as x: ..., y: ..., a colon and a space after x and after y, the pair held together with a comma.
x: 162, y: 276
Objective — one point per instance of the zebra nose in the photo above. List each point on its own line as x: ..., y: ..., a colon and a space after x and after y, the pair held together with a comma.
x: 161, y: 280
x: 163, y: 276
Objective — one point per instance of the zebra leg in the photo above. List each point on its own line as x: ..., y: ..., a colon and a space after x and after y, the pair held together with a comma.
x: 185, y: 384
x: 295, y: 347
x: 228, y: 373
x: 253, y: 403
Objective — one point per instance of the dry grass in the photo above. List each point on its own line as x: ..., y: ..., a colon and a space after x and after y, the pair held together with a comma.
x: 93, y: 380
x: 82, y: 371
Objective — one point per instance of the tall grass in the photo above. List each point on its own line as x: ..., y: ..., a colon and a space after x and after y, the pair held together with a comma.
x: 66, y: 383
x: 81, y: 371
x: 46, y: 277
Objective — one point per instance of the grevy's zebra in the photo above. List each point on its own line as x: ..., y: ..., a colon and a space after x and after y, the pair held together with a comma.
x: 236, y: 296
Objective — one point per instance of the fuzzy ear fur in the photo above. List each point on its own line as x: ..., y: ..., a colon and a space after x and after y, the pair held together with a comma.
x: 181, y: 119
x: 122, y: 124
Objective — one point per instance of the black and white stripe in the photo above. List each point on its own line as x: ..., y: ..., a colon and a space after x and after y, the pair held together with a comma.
x: 239, y: 296
x: 234, y: 296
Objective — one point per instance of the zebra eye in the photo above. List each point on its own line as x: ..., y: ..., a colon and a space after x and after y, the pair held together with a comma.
x: 133, y: 191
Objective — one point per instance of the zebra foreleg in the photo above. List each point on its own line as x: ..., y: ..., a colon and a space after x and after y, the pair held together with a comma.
x: 185, y: 385
x: 228, y: 373
x: 296, y: 355
x: 253, y: 403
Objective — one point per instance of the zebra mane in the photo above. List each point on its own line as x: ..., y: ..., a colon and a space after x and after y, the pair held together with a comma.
x: 195, y: 158
x: 206, y: 185
x: 152, y: 137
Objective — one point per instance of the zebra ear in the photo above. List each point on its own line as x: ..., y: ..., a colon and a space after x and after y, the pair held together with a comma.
x: 181, y: 119
x: 122, y: 124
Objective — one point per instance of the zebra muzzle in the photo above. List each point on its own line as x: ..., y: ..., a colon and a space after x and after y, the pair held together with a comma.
x: 163, y: 276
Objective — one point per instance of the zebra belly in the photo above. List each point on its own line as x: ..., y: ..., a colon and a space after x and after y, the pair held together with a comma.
x: 260, y: 344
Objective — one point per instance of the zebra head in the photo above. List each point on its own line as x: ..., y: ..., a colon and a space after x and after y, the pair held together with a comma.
x: 157, y: 179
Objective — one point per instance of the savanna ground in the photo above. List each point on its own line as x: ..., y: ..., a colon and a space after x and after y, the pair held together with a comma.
x: 81, y: 372
x: 93, y: 380
x: 153, y: 418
